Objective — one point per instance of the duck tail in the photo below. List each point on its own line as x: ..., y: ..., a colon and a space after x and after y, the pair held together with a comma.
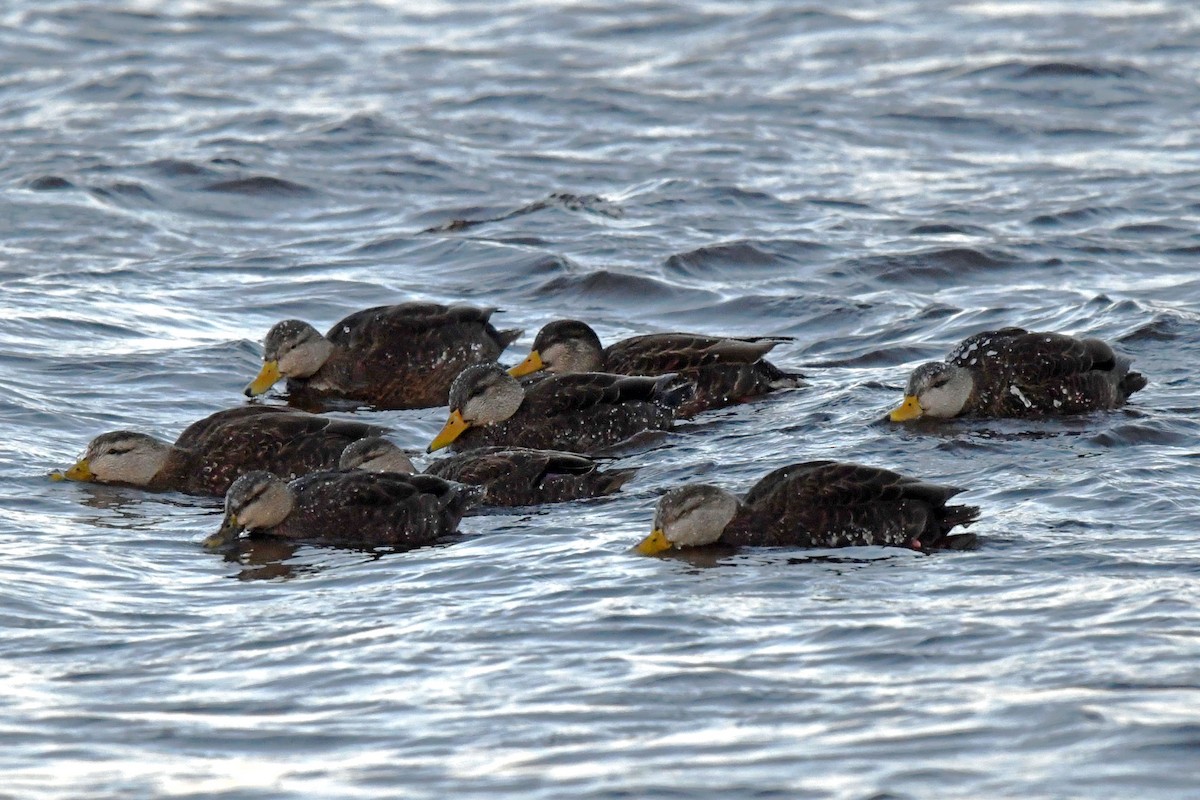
x: 949, y: 517
x: 1132, y: 382
x: 953, y: 516
x: 778, y: 379
x: 508, y: 336
x: 611, y: 481
x: 673, y: 390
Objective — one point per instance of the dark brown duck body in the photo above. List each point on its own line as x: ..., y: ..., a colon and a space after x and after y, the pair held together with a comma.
x: 400, y: 356
x: 722, y: 370
x: 519, y: 476
x: 1013, y: 372
x: 211, y: 453
x: 814, y: 504
x: 842, y: 504
x: 586, y: 412
x: 352, y: 508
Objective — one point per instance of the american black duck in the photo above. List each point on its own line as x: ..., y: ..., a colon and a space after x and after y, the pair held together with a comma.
x: 581, y: 413
x: 351, y: 508
x: 814, y: 504
x: 510, y: 476
x: 723, y: 370
x: 211, y: 453
x: 1013, y: 372
x: 399, y: 356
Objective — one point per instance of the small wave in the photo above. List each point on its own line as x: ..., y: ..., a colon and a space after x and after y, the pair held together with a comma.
x: 1023, y: 70
x: 617, y: 286
x: 943, y: 265
x: 590, y: 203
x: 124, y: 190
x: 942, y: 229
x: 1070, y: 69
x: 48, y: 183
x: 1076, y: 215
x: 1143, y: 432
x: 173, y: 167
x: 260, y: 185
x: 740, y: 256
x: 1150, y: 229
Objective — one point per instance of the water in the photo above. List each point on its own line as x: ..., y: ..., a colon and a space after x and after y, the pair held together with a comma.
x: 877, y: 182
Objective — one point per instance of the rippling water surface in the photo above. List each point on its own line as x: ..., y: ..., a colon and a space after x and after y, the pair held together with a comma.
x: 876, y: 182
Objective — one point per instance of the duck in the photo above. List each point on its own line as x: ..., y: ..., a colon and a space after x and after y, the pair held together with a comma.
x: 583, y: 412
x: 1013, y: 372
x: 211, y: 453
x: 724, y: 370
x: 813, y: 504
x: 352, y: 508
x: 389, y: 357
x: 510, y: 476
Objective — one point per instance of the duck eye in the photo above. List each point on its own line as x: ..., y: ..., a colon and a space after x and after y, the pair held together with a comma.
x: 118, y: 451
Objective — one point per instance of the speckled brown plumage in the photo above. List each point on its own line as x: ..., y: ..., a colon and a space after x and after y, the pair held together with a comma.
x: 211, y: 453
x: 584, y: 412
x: 723, y: 370
x: 402, y: 356
x: 1020, y: 373
x: 519, y: 476
x: 842, y: 504
x: 372, y: 509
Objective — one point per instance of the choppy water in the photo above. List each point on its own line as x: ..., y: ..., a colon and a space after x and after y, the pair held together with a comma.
x: 877, y: 182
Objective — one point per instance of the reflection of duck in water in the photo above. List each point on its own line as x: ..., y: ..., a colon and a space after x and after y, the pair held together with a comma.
x: 511, y: 476
x: 582, y: 413
x: 211, y: 453
x: 350, y: 508
x: 1017, y: 373
x: 401, y: 356
x: 814, y: 504
x: 723, y: 370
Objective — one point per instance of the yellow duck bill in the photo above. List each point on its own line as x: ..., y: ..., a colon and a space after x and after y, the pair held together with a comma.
x: 909, y: 409
x: 532, y: 363
x: 653, y: 544
x: 81, y: 471
x: 449, y: 432
x: 267, y: 376
x: 227, y: 533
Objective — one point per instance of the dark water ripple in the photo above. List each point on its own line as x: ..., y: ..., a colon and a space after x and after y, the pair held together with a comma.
x: 877, y: 182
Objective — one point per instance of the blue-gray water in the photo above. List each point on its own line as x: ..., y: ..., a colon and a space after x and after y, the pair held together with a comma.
x: 877, y: 182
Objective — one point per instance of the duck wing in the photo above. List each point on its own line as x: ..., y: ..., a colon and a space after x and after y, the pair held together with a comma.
x: 1020, y: 372
x: 517, y: 476
x: 394, y: 325
x: 657, y: 353
x: 584, y: 391
x: 286, y: 442
x: 375, y: 508
x: 838, y: 504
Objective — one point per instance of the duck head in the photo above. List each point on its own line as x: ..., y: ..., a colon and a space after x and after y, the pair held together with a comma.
x: 376, y: 454
x: 562, y: 347
x: 483, y: 394
x: 122, y: 457
x: 689, y: 516
x: 936, y: 389
x: 292, y: 349
x: 255, y: 500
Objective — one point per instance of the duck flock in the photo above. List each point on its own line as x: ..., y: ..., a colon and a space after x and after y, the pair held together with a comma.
x: 526, y: 435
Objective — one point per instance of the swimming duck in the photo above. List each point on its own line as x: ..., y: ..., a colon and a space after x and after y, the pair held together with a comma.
x: 814, y: 504
x: 582, y: 413
x: 724, y: 370
x: 511, y: 476
x: 211, y: 453
x: 1013, y: 372
x: 350, y: 508
x: 399, y: 356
